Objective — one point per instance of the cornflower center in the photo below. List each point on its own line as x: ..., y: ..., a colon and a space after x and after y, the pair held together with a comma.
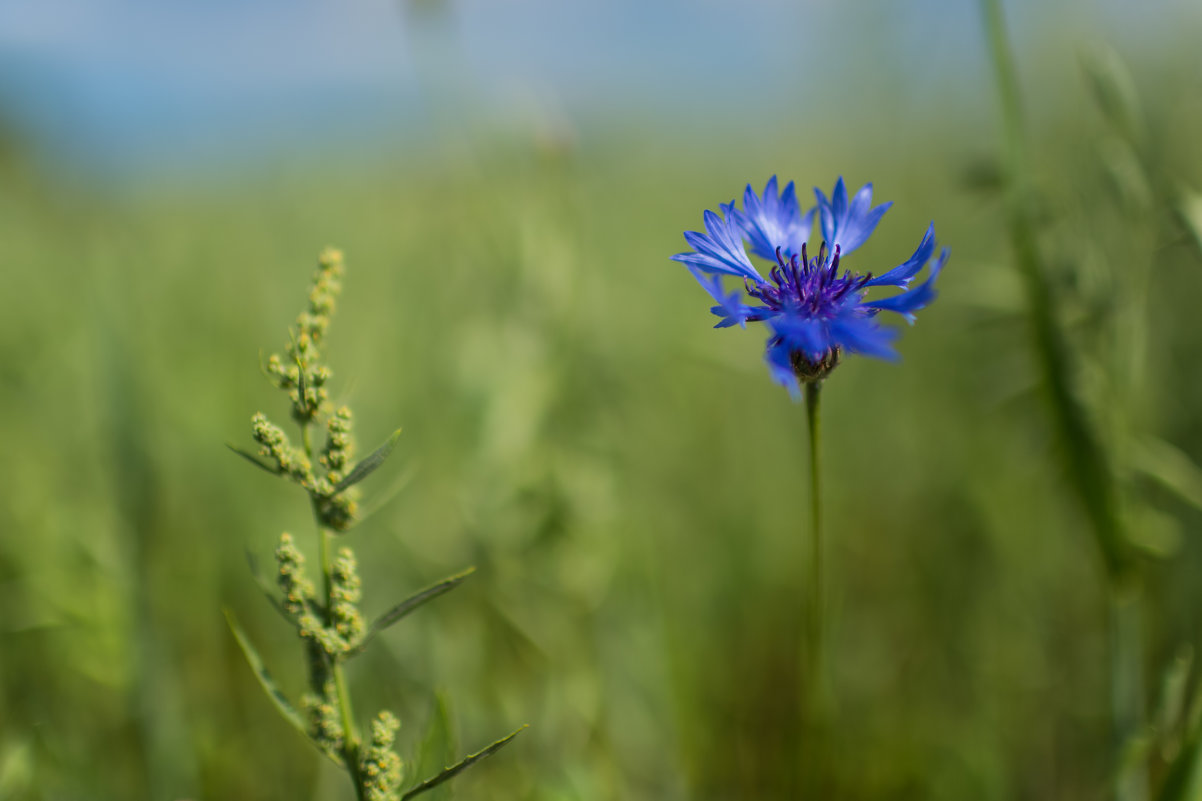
x: 809, y: 289
x: 806, y: 287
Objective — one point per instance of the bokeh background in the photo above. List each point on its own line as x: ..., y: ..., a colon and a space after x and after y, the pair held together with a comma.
x: 508, y: 180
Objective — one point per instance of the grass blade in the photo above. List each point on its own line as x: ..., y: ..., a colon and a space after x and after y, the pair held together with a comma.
x: 265, y: 585
x: 459, y: 767
x: 250, y: 457
x: 411, y: 603
x: 273, y: 691
x: 368, y: 464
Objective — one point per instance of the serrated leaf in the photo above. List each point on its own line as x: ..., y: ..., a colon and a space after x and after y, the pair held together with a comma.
x: 285, y: 707
x: 459, y: 767
x: 411, y: 603
x: 368, y: 464
x: 1170, y: 467
x: 250, y: 457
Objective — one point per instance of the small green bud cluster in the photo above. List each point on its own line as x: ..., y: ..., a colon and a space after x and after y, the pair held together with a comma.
x: 275, y: 446
x: 345, y: 593
x: 298, y: 590
x: 339, y: 446
x: 325, y: 725
x: 328, y: 620
x: 336, y: 509
x: 381, y: 768
x: 346, y: 627
x: 303, y: 376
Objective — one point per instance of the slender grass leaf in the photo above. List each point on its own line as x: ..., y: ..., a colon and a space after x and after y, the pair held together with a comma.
x: 1181, y: 783
x: 438, y: 746
x: 1171, y: 711
x: 1170, y: 467
x: 411, y: 603
x: 379, y: 500
x: 1114, y: 91
x: 368, y: 464
x: 1190, y: 208
x: 273, y: 691
x: 269, y: 591
x: 250, y: 457
x: 459, y: 767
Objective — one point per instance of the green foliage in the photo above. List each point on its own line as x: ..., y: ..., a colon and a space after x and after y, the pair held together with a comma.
x: 330, y: 624
x: 629, y: 485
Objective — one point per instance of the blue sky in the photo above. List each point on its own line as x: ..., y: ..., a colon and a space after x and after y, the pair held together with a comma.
x: 124, y: 83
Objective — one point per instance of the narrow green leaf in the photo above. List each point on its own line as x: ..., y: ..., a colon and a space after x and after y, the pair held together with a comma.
x: 1171, y: 711
x: 438, y: 746
x: 1190, y: 208
x: 273, y: 691
x: 379, y: 500
x: 1181, y: 783
x: 1170, y: 467
x: 250, y: 457
x: 369, y: 463
x: 269, y: 591
x: 459, y: 767
x: 411, y: 603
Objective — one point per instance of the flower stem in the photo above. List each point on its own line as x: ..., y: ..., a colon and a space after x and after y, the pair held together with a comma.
x: 815, y: 585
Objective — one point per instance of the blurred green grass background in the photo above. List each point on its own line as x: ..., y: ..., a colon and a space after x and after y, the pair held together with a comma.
x: 629, y: 483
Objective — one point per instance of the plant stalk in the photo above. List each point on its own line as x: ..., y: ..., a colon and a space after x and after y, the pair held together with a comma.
x: 815, y: 586
x: 1088, y: 466
x: 350, y: 737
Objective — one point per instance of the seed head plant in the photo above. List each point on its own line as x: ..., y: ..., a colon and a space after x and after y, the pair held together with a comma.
x: 326, y: 615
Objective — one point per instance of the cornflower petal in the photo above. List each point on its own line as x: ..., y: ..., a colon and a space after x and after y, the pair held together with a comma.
x: 902, y: 273
x: 860, y: 334
x: 909, y: 302
x: 780, y: 367
x: 775, y: 222
x: 848, y: 225
x: 729, y: 308
x: 719, y: 250
x: 814, y: 308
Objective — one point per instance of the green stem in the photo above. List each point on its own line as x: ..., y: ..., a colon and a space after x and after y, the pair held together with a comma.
x: 1088, y: 464
x: 815, y: 584
x: 812, y: 759
x: 350, y: 737
x: 1127, y: 688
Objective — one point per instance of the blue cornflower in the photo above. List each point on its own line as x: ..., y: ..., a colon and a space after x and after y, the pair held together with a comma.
x: 813, y: 312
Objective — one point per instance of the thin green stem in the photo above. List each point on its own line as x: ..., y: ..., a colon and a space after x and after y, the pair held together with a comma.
x: 1127, y: 688
x: 350, y: 737
x: 816, y: 587
x: 813, y: 689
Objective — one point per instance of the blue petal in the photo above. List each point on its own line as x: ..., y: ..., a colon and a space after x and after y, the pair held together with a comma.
x: 774, y: 222
x: 781, y: 368
x: 729, y: 308
x: 863, y: 335
x: 806, y: 334
x: 848, y: 225
x: 902, y: 273
x: 719, y: 250
x: 907, y: 303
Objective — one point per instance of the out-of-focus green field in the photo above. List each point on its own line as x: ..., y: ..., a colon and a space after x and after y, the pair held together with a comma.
x: 628, y: 481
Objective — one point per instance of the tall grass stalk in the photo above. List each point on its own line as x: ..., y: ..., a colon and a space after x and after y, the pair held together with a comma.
x: 1089, y: 469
